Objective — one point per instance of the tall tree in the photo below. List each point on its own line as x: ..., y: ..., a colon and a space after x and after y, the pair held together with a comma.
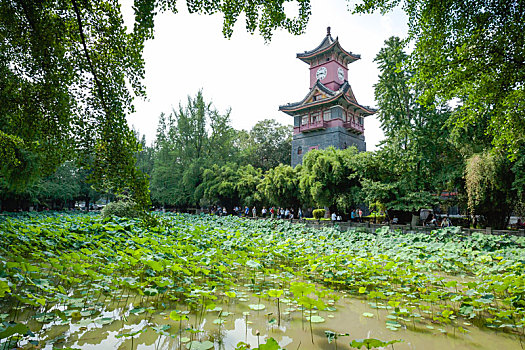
x: 191, y: 139
x: 220, y: 185
x: 270, y: 144
x: 330, y: 178
x: 417, y: 142
x: 489, y: 182
x: 69, y: 71
x: 472, y: 51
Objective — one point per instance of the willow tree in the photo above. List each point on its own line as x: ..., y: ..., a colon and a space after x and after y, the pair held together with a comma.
x: 280, y: 186
x: 489, y: 179
x: 69, y: 71
x: 330, y: 178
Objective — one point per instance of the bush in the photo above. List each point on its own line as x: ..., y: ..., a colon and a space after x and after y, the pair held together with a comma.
x: 318, y: 214
x: 127, y: 209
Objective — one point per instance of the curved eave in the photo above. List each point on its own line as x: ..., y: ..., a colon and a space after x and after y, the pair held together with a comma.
x: 295, y: 108
x: 292, y: 109
x: 301, y: 103
x: 327, y: 42
x: 307, y: 57
x: 365, y: 110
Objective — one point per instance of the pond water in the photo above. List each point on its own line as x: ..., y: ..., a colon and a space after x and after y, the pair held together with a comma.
x: 130, y: 321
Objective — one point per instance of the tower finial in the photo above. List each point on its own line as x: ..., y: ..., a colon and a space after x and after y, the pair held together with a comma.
x: 327, y: 31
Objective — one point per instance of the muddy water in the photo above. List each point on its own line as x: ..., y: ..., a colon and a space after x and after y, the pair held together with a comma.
x: 254, y: 328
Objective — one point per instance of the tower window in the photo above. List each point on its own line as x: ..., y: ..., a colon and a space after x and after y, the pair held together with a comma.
x: 315, y: 117
x: 299, y: 150
x: 304, y: 120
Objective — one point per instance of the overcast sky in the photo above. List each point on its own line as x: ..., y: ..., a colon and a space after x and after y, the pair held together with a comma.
x: 245, y: 74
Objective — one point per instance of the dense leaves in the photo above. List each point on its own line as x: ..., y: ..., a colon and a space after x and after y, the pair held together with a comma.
x: 85, y: 264
x: 69, y: 72
x: 474, y: 52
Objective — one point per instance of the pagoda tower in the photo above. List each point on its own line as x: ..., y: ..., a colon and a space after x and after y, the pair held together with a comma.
x: 329, y: 114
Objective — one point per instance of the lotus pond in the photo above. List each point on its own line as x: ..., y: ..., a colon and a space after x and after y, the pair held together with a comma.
x: 76, y: 281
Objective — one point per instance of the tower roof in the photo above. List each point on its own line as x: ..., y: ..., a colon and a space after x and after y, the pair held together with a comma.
x: 343, y: 96
x: 328, y: 44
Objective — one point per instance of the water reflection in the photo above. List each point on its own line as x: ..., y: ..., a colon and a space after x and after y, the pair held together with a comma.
x: 105, y: 328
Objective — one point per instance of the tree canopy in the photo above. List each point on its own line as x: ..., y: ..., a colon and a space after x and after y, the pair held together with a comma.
x: 471, y: 52
x: 69, y: 71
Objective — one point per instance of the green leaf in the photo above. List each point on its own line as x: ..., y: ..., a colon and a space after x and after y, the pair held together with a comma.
x: 4, y: 287
x: 151, y: 291
x: 275, y: 293
x: 253, y: 264
x: 197, y: 345
x: 176, y: 316
x: 316, y: 319
x: 257, y: 307
x: 271, y: 344
x: 230, y: 294
x: 12, y: 329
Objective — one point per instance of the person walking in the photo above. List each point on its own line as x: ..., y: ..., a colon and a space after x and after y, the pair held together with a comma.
x: 300, y: 214
x: 254, y: 211
x: 360, y: 214
x: 272, y: 212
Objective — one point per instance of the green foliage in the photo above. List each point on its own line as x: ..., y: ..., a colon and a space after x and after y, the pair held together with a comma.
x: 189, y: 140
x: 197, y: 259
x: 318, y: 213
x: 77, y: 68
x: 271, y: 344
x: 247, y: 187
x: 69, y: 73
x: 488, y: 182
x: 57, y: 191
x: 418, y: 158
x: 267, y: 145
x: 468, y: 52
x: 280, y: 186
x: 122, y: 209
x: 220, y: 184
x: 264, y: 15
x: 330, y: 176
x: 371, y: 343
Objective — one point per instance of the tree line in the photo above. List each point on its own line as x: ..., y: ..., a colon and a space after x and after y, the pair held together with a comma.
x: 424, y: 153
x: 70, y: 71
x: 198, y: 159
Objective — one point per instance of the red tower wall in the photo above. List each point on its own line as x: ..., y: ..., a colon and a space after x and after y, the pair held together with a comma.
x: 331, y: 80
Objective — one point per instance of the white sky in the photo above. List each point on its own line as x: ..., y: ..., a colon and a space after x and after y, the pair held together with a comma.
x: 253, y: 78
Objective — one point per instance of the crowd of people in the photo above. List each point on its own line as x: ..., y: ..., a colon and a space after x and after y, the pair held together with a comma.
x: 271, y: 212
x: 356, y: 215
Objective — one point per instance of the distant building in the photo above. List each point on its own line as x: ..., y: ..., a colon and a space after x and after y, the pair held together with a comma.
x: 329, y: 115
